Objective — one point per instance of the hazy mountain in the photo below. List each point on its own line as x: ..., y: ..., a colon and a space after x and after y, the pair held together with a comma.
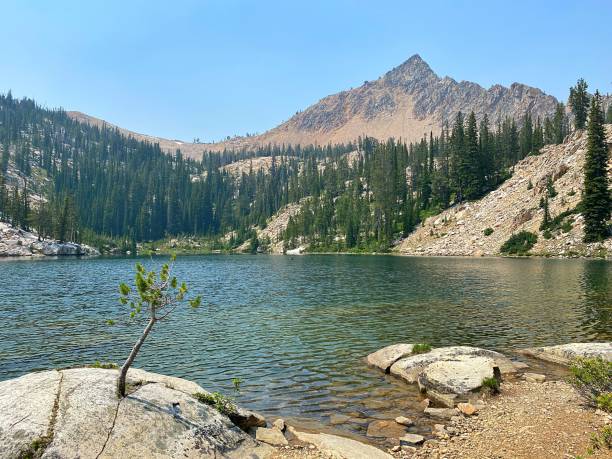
x: 407, y: 102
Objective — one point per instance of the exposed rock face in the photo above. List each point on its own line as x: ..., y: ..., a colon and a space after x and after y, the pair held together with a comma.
x: 76, y: 413
x: 407, y: 102
x: 514, y: 207
x: 563, y: 354
x: 274, y: 229
x: 19, y: 243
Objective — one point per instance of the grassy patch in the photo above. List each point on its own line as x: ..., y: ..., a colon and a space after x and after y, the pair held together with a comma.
x: 35, y: 449
x: 519, y: 244
x: 491, y: 385
x: 421, y: 348
x: 105, y: 365
x: 593, y: 378
x: 221, y: 403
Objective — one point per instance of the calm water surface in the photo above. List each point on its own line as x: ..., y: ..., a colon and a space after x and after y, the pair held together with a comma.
x: 296, y: 329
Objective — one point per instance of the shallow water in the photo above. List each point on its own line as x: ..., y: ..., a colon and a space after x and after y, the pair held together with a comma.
x: 296, y: 329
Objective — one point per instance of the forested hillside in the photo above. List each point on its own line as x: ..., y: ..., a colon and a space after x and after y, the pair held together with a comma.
x: 75, y: 181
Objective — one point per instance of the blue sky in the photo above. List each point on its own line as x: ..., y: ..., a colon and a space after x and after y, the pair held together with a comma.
x: 208, y: 69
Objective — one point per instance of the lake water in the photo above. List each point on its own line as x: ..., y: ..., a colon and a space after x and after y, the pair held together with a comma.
x: 296, y: 329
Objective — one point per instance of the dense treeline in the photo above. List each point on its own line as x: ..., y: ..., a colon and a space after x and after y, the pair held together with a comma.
x: 73, y: 181
x: 393, y: 186
x: 97, y: 180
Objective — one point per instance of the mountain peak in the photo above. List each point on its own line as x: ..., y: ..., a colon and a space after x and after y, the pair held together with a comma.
x: 415, y: 68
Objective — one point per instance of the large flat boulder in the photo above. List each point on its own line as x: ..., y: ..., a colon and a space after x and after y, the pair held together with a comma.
x: 563, y: 354
x: 340, y: 447
x: 409, y: 368
x: 387, y: 356
x: 26, y: 409
x: 76, y: 413
x: 460, y: 376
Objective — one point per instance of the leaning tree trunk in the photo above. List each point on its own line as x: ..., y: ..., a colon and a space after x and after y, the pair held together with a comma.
x: 126, y: 366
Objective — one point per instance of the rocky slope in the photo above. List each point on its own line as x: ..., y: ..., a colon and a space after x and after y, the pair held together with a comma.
x: 274, y: 229
x: 407, y: 102
x: 514, y: 207
x: 19, y: 243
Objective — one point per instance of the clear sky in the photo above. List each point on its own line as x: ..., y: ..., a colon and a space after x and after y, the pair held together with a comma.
x: 207, y: 69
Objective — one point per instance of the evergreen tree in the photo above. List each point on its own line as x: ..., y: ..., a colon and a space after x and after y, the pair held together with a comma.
x: 559, y: 126
x: 596, y: 201
x: 609, y: 113
x: 579, y: 103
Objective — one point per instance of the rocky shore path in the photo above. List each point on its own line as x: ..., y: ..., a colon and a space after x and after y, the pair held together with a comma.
x: 527, y: 420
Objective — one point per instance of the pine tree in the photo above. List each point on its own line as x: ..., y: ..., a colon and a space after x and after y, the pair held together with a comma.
x: 579, y: 103
x: 470, y: 169
x: 546, y: 218
x: 559, y: 127
x: 596, y: 202
x: 609, y: 113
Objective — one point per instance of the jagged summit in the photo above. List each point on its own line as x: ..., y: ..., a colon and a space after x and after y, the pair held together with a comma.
x: 415, y: 68
x: 406, y: 103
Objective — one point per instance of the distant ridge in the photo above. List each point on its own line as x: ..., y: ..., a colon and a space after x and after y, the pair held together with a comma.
x: 407, y: 102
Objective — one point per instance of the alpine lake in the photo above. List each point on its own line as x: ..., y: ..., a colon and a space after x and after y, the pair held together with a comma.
x: 296, y: 329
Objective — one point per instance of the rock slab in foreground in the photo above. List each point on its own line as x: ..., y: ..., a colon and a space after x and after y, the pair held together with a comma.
x: 78, y: 412
x: 563, y: 354
x: 340, y: 447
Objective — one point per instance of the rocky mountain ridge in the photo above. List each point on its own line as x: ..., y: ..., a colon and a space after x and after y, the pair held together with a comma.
x: 407, y: 102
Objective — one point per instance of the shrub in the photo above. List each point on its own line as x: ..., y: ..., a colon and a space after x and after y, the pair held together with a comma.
x: 421, y: 348
x: 519, y: 244
x: 566, y: 226
x: 491, y: 385
x: 547, y: 234
x: 593, y: 378
x: 488, y: 231
x: 221, y: 403
x: 604, y: 402
x: 602, y: 440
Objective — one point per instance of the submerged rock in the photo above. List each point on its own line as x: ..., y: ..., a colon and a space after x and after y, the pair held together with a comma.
x: 563, y: 354
x: 534, y: 377
x: 384, y: 428
x: 76, y: 413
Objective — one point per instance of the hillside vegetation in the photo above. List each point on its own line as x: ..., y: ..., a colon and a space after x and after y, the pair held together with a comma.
x: 556, y: 174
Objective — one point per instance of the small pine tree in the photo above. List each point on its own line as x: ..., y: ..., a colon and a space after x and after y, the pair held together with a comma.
x: 550, y: 188
x: 546, y: 218
x: 609, y: 114
x: 596, y: 200
x: 579, y: 102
